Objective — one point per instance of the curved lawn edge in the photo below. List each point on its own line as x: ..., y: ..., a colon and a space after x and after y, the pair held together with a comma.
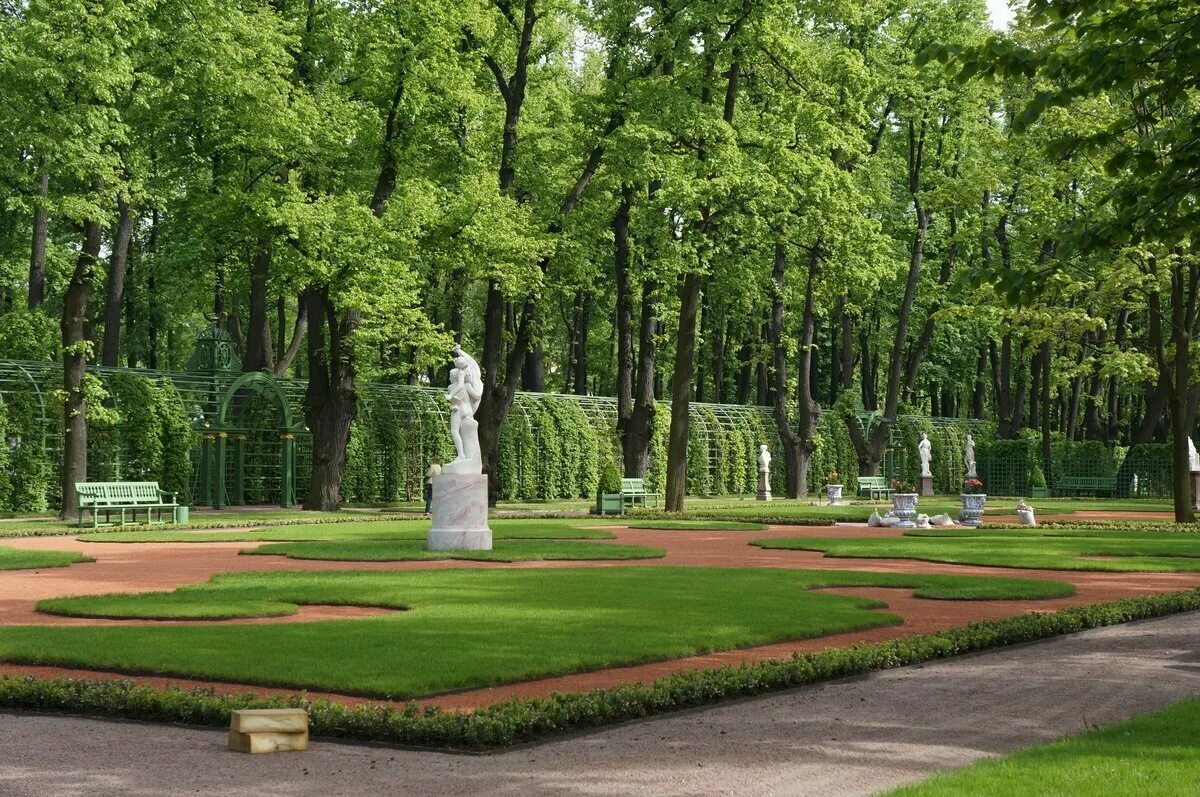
x: 504, y: 550
x: 23, y: 559
x: 525, y: 720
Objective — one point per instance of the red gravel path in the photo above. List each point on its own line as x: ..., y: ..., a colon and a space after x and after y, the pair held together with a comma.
x: 144, y: 567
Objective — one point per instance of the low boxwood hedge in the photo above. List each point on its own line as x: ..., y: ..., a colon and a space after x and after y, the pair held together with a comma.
x: 523, y: 720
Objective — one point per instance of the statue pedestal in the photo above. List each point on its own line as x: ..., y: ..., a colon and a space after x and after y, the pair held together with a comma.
x: 926, y: 485
x: 1195, y: 489
x: 764, y: 486
x: 460, y: 513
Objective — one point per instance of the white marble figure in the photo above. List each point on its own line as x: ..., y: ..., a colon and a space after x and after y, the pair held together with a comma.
x: 464, y: 394
x: 1193, y: 457
x: 764, y: 459
x: 1025, y: 514
x: 925, y: 450
x: 1133, y: 486
x: 969, y: 456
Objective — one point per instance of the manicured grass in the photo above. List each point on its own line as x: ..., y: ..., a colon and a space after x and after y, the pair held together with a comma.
x: 465, y: 628
x: 21, y: 559
x: 1152, y: 754
x: 502, y: 528
x: 410, y: 550
x: 1118, y: 551
x: 696, y: 525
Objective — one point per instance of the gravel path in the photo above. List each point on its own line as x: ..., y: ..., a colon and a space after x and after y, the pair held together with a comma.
x: 852, y: 737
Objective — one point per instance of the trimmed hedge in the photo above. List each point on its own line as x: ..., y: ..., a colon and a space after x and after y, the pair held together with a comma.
x: 522, y: 720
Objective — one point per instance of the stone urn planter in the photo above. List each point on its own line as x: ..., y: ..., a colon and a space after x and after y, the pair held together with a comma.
x: 834, y: 492
x: 972, y: 508
x: 904, y: 506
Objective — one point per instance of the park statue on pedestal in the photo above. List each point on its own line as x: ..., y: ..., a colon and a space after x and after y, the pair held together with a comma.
x: 969, y: 457
x: 764, y: 473
x: 925, y: 452
x: 460, y: 493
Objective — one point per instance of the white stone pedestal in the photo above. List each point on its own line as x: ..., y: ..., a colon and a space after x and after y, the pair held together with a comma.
x: 1195, y: 489
x: 764, y: 486
x: 460, y: 513
x: 926, y: 485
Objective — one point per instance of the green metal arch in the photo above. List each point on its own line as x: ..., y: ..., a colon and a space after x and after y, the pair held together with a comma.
x: 260, y: 383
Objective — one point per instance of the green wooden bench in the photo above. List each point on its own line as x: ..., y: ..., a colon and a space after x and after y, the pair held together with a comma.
x: 1090, y: 485
x: 874, y: 487
x: 125, y: 499
x: 633, y: 493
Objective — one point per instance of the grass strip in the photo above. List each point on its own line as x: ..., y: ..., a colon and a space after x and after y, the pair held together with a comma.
x: 1151, y: 754
x: 414, y: 550
x: 695, y: 525
x: 1113, y: 552
x: 524, y: 720
x: 22, y: 559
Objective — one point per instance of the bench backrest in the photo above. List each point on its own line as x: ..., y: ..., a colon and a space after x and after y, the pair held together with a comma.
x: 1085, y: 481
x: 633, y: 486
x: 875, y: 482
x: 118, y: 493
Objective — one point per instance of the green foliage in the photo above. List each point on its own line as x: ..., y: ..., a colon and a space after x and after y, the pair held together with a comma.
x: 30, y: 475
x: 516, y: 721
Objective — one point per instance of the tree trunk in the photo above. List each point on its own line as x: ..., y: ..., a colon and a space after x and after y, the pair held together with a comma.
x: 259, y: 354
x: 330, y: 400
x: 41, y: 234
x: 299, y: 327
x: 798, y: 443
x: 637, y: 432
x: 681, y: 391
x: 115, y: 299
x: 75, y: 310
x: 624, y: 306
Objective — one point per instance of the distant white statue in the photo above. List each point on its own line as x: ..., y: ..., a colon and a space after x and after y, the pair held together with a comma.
x: 1133, y: 485
x: 925, y: 450
x: 1193, y: 457
x: 764, y: 474
x: 464, y: 395
x: 1025, y: 514
x: 969, y: 456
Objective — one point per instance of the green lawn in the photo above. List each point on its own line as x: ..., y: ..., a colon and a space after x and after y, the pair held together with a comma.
x: 20, y: 559
x: 502, y: 528
x: 1152, y: 754
x: 466, y: 628
x: 408, y: 550
x: 1115, y: 551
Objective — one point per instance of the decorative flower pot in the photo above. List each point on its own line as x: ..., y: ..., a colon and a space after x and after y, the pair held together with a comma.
x: 904, y: 506
x: 972, y: 508
x: 834, y: 491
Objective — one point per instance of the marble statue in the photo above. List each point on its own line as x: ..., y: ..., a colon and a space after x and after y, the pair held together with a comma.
x: 464, y: 394
x: 459, y: 494
x: 925, y: 449
x: 1025, y: 514
x: 1193, y: 457
x: 969, y: 456
x: 764, y: 474
x: 1133, y: 485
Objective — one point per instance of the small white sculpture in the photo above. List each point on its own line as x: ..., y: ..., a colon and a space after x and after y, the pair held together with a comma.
x: 941, y: 520
x: 1193, y: 457
x: 1133, y: 486
x: 1025, y: 514
x: 464, y: 394
x: 764, y: 474
x: 969, y: 456
x: 925, y: 450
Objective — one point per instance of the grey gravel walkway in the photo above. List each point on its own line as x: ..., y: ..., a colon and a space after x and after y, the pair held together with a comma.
x: 846, y: 738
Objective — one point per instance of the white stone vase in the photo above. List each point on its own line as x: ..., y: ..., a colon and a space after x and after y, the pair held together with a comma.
x: 904, y: 506
x: 972, y: 508
x: 834, y: 491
